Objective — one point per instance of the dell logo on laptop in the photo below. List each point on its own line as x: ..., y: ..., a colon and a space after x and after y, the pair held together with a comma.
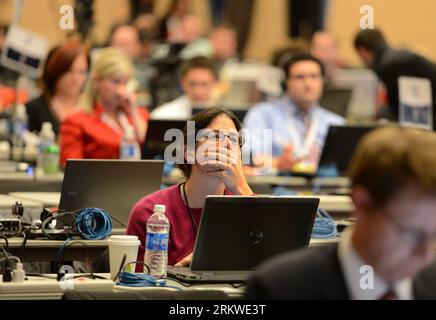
x: 255, y: 237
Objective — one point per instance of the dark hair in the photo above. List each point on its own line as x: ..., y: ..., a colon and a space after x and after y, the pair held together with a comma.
x: 197, y: 63
x: 384, y: 168
x: 202, y: 120
x: 302, y: 57
x: 115, y: 28
x: 370, y: 39
x: 59, y: 61
x: 224, y: 25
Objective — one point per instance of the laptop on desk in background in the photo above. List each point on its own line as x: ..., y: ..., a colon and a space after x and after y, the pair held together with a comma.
x: 237, y: 233
x: 339, y: 146
x: 155, y: 144
x: 112, y: 185
x: 336, y: 100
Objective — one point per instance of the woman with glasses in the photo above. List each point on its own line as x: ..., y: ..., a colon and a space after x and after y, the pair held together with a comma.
x: 211, y: 167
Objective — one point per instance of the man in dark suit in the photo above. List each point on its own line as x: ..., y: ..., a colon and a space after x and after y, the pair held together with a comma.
x: 389, y: 252
x: 389, y: 64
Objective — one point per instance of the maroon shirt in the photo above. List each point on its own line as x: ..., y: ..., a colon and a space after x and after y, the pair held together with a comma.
x: 182, y: 233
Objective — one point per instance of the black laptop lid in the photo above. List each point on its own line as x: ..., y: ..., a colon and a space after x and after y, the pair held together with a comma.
x: 155, y: 143
x: 113, y: 185
x: 339, y: 146
x: 238, y: 233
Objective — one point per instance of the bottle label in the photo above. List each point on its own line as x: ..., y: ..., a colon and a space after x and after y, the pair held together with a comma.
x: 129, y: 151
x: 157, y: 241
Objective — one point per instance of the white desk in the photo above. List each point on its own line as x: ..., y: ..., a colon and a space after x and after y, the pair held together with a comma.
x: 48, y: 199
x: 327, y: 202
x: 49, y: 289
x: 32, y: 209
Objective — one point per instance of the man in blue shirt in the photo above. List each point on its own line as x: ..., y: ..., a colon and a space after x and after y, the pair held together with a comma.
x: 299, y: 125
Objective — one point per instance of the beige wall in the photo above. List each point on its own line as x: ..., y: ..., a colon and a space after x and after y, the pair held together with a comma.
x: 407, y: 23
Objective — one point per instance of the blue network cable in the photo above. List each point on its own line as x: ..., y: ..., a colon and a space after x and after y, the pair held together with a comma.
x: 324, y: 226
x: 131, y: 279
x: 93, y: 224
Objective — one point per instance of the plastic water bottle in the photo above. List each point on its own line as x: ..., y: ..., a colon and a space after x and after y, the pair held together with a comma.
x: 46, y: 138
x: 129, y: 148
x: 156, y: 244
x: 19, y: 127
x: 50, y: 159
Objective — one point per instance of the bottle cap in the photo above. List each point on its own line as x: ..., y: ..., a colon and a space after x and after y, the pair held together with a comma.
x: 47, y: 131
x: 52, y: 149
x: 159, y: 208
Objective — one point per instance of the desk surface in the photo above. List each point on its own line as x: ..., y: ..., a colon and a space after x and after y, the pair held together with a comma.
x: 327, y: 202
x: 49, y: 288
x: 295, y: 182
x: 50, y: 199
x: 79, y: 250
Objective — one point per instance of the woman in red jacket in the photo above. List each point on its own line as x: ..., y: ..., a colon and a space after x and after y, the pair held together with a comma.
x: 110, y: 108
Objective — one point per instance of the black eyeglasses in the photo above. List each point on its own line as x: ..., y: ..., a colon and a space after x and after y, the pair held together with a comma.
x: 219, y: 135
x: 410, y: 234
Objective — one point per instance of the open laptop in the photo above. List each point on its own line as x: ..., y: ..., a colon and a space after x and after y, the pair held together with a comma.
x: 155, y: 143
x: 339, y: 146
x: 336, y: 100
x: 237, y: 233
x: 112, y: 185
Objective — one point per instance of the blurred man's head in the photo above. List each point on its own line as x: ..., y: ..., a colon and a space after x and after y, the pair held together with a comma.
x: 126, y: 38
x: 223, y: 39
x: 304, y: 74
x: 198, y: 79
x: 368, y: 43
x: 393, y: 175
x: 324, y: 47
x: 192, y: 28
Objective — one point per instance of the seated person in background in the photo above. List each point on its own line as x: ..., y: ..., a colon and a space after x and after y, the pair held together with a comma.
x: 63, y: 79
x: 388, y: 253
x: 217, y: 171
x: 299, y: 125
x: 111, y: 108
x: 224, y: 42
x: 389, y: 64
x: 325, y: 47
x: 198, y: 79
x: 126, y: 38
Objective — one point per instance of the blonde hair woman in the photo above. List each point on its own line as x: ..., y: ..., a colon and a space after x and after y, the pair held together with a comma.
x: 109, y: 106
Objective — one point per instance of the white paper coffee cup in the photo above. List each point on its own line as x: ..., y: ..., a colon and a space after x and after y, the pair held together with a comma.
x: 120, y: 246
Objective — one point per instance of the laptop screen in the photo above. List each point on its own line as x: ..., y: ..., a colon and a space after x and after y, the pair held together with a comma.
x: 112, y: 185
x: 339, y: 146
x: 238, y: 233
x: 155, y: 144
x: 336, y: 100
